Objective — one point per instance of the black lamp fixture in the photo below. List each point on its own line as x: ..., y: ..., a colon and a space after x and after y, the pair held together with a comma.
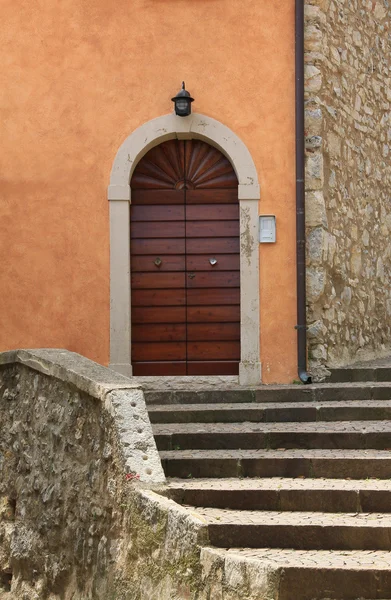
x: 182, y: 102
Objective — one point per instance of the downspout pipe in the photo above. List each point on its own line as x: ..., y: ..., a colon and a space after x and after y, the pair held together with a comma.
x: 301, y: 326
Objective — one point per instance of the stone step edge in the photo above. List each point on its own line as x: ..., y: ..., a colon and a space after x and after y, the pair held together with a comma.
x: 222, y: 387
x: 335, y: 464
x: 291, y: 453
x: 375, y: 426
x: 243, y: 575
x: 336, y: 393
x: 258, y: 406
x: 277, y: 494
x: 281, y: 484
x: 296, y: 529
x: 296, y: 519
x: 354, y: 374
x: 357, y: 560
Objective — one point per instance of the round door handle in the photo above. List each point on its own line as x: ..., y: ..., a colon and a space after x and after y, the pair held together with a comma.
x: 213, y: 261
x: 191, y: 275
x: 158, y: 261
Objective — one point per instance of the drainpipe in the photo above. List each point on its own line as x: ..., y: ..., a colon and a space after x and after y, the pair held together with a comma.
x: 300, y: 199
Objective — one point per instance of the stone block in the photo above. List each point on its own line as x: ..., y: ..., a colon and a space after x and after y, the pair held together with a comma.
x: 316, y: 282
x: 314, y: 172
x: 356, y: 260
x: 313, y: 39
x: 317, y: 246
x: 314, y: 14
x: 313, y: 79
x: 334, y: 145
x: 313, y: 122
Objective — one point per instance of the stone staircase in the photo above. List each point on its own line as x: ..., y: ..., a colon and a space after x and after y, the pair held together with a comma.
x: 296, y: 478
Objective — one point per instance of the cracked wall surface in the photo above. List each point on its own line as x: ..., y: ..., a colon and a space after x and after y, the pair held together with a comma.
x: 348, y: 177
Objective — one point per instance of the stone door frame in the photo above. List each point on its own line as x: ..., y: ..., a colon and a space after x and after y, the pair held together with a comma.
x: 152, y: 133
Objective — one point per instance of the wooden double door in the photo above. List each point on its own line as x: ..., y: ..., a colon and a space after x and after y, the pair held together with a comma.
x: 185, y: 258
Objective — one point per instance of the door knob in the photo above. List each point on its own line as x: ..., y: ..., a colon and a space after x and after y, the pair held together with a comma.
x: 213, y: 261
x: 191, y: 275
x: 158, y: 261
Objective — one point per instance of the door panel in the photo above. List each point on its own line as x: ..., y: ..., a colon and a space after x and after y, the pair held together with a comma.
x: 225, y: 262
x: 197, y: 297
x: 176, y: 297
x: 158, y: 280
x: 142, y: 212
x: 163, y: 314
x: 185, y: 260
x: 155, y: 350
x: 164, y: 229
x: 152, y: 197
x: 162, y: 368
x: 213, y: 279
x: 159, y: 333
x: 213, y: 314
x: 169, y: 262
x: 204, y: 332
x: 212, y: 197
x: 211, y: 367
x: 157, y: 246
x: 215, y: 350
x: 213, y: 246
x: 211, y: 212
x: 219, y: 229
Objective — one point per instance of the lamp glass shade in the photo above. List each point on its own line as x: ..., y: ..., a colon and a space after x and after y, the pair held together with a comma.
x: 182, y: 105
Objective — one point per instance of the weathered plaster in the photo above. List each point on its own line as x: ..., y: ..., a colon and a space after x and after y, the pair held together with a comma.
x: 77, y: 78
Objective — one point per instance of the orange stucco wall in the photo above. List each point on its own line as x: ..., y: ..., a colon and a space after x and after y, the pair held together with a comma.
x: 75, y: 79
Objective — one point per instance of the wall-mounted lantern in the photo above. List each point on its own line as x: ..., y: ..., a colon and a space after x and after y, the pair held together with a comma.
x: 182, y: 102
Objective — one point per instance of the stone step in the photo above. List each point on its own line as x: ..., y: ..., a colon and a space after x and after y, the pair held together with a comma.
x: 310, y: 574
x: 301, y: 530
x: 366, y: 410
x: 278, y: 494
x: 337, y: 434
x: 273, y: 393
x: 360, y: 374
x: 350, y: 464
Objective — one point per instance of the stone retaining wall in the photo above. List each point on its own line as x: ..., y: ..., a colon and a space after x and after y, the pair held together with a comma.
x: 83, y: 512
x: 348, y: 175
x: 75, y: 452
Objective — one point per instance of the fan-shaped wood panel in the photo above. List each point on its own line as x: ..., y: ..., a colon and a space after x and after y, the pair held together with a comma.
x: 184, y: 164
x: 185, y: 262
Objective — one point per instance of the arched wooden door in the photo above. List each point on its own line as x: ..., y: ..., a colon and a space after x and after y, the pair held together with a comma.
x: 185, y: 262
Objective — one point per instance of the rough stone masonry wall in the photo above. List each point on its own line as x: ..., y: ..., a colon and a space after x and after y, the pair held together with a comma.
x: 82, y: 509
x: 72, y: 434
x: 348, y: 174
x: 76, y: 449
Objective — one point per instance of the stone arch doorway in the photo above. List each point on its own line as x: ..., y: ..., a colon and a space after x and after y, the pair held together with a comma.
x: 185, y: 262
x: 149, y: 135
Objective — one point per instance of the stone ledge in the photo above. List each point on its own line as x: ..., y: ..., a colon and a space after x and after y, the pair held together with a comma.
x: 72, y: 368
x: 120, y: 397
